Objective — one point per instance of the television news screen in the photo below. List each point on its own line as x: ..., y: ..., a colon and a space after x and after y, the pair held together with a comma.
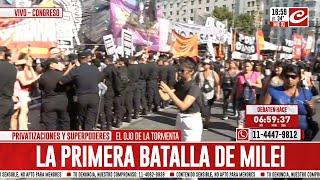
x: 78, y: 101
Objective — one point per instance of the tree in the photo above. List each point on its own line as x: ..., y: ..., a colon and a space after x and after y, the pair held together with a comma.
x: 245, y: 23
x: 222, y: 13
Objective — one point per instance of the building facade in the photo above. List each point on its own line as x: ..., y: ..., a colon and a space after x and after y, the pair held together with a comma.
x: 185, y: 10
x: 276, y: 35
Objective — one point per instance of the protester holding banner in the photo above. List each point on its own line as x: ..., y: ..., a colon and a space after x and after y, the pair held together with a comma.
x: 187, y: 97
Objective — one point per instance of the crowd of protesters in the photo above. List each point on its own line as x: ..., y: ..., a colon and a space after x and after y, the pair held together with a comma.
x: 80, y: 91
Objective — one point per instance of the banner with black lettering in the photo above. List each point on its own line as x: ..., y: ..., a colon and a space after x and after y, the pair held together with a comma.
x: 109, y: 45
x: 245, y: 47
x: 286, y: 49
x: 127, y: 43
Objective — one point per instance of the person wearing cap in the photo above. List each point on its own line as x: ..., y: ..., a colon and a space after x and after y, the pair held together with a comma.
x: 8, y: 76
x: 119, y: 105
x: 152, y: 85
x: 71, y: 94
x: 54, y: 113
x: 113, y: 83
x: 163, y: 74
x: 142, y: 84
x: 86, y: 78
x: 209, y: 82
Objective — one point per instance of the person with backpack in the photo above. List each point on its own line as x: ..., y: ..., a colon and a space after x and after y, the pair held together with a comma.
x: 209, y: 83
x: 244, y: 90
x: 227, y: 83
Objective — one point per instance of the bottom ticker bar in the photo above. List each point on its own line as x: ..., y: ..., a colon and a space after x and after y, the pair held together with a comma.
x: 159, y: 174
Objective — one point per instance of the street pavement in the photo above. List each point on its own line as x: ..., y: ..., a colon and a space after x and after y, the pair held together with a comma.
x: 219, y: 130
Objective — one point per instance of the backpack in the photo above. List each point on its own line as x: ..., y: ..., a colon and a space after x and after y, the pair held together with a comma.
x: 248, y: 96
x: 206, y: 87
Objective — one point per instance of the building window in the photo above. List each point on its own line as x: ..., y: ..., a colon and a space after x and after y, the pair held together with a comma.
x: 207, y: 9
x: 224, y: 6
x: 191, y: 18
x: 248, y: 4
x: 192, y: 2
x: 164, y: 13
x: 184, y: 19
x: 215, y: 7
x: 252, y: 3
x: 215, y: 0
x: 199, y: 1
x: 208, y: 1
x: 267, y: 12
x: 248, y: 12
x: 165, y: 6
x: 178, y: 4
x: 191, y: 10
x: 178, y: 20
x: 232, y: 5
x: 184, y: 11
x: 177, y: 12
x: 171, y: 5
x: 296, y: 4
x: 267, y: 2
x: 171, y: 13
x: 252, y: 12
x: 285, y: 5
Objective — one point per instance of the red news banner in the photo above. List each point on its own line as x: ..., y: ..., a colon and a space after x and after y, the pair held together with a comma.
x: 159, y: 156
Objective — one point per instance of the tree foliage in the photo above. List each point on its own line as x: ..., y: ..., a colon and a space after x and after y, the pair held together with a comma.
x: 222, y: 13
x: 244, y: 23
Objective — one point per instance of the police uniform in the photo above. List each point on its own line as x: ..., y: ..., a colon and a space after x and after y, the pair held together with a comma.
x: 152, y: 86
x: 54, y: 113
x: 119, y: 105
x: 8, y: 76
x: 163, y: 74
x: 142, y: 86
x: 86, y: 77
x: 112, y: 82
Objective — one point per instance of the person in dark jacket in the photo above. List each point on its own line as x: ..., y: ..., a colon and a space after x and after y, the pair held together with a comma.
x: 86, y: 78
x: 152, y: 85
x: 54, y: 112
x: 112, y: 81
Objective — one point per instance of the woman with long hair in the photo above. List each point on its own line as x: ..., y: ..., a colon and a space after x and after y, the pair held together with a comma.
x: 227, y: 83
x: 186, y: 95
x: 292, y: 92
x: 259, y: 68
x: 275, y: 79
x: 26, y: 77
x: 246, y: 83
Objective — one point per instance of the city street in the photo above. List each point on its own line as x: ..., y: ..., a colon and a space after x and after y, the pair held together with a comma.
x: 220, y: 130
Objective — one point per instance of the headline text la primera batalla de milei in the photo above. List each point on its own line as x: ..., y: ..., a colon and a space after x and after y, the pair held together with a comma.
x: 160, y: 156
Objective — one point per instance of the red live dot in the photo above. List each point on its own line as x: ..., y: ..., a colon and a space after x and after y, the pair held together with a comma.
x: 263, y: 174
x: 68, y: 173
x: 171, y: 174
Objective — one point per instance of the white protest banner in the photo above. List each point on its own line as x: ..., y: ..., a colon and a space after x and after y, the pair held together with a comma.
x: 127, y: 43
x: 216, y: 35
x: 64, y: 31
x: 109, y: 45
